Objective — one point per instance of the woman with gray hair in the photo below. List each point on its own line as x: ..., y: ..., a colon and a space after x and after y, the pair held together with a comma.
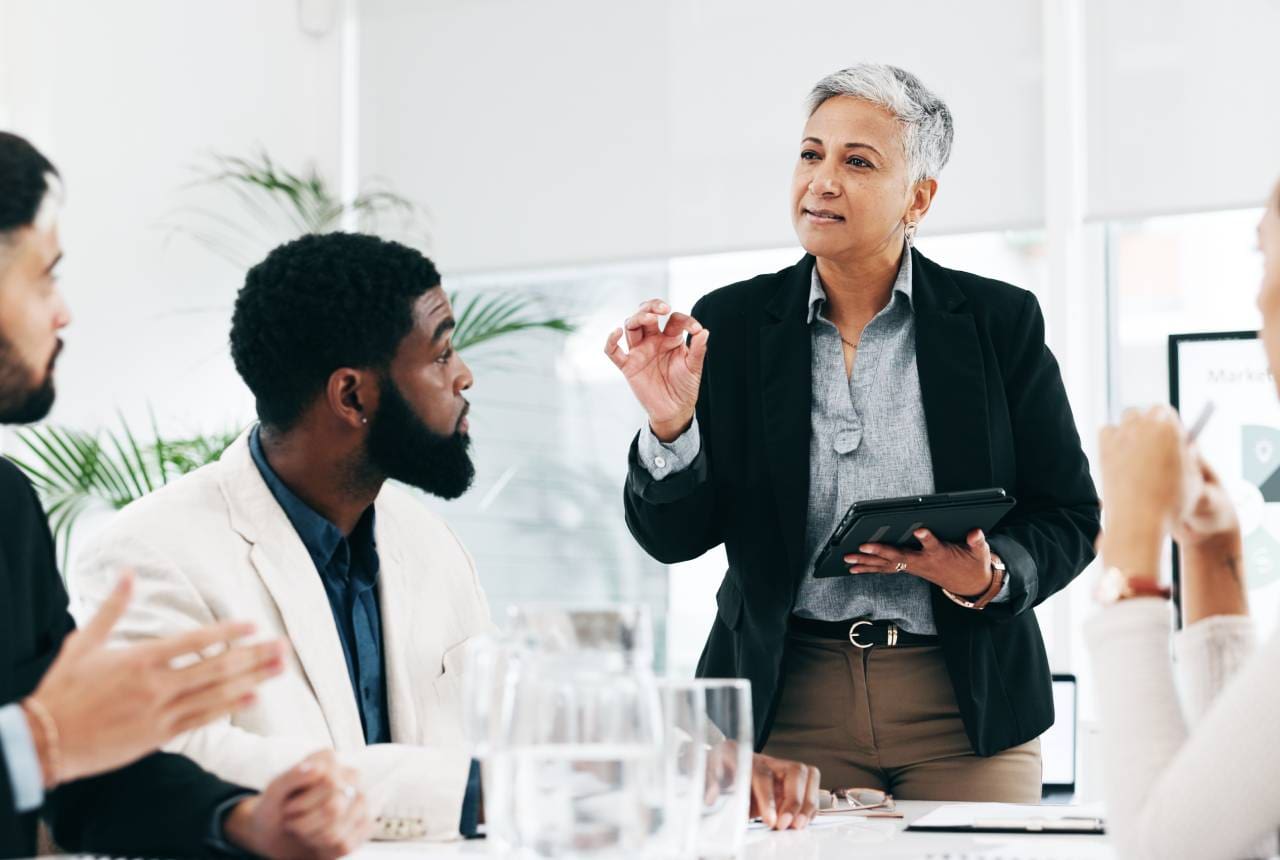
x: 867, y: 371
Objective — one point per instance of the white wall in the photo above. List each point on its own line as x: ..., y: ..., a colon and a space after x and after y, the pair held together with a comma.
x: 1182, y: 102
x: 569, y: 131
x: 573, y: 130
x: 124, y: 98
x: 6, y: 68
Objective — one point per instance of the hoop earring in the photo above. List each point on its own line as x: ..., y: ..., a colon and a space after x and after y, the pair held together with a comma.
x: 910, y: 232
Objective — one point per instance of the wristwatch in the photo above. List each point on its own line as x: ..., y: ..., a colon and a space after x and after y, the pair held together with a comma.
x: 1115, y: 585
x: 998, y: 572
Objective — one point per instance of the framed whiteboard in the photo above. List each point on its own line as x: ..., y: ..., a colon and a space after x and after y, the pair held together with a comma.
x: 1241, y: 443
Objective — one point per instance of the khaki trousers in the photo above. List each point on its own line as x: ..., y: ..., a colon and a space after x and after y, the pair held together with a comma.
x: 887, y: 718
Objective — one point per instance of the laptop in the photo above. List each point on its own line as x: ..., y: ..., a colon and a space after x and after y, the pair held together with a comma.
x: 1058, y: 744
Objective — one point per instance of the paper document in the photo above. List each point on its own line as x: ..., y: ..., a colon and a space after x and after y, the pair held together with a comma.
x: 1013, y: 816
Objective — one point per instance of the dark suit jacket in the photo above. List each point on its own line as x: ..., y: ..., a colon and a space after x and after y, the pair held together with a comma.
x: 997, y: 415
x: 162, y: 805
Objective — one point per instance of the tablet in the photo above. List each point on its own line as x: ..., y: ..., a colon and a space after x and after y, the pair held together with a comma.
x: 950, y: 516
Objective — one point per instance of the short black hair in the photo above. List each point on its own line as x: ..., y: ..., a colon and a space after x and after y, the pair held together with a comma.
x: 23, y: 181
x: 317, y: 304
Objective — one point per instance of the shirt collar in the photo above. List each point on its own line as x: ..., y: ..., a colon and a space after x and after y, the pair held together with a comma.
x: 321, y: 537
x: 902, y: 284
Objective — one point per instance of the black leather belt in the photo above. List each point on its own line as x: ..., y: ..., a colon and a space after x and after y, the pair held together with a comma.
x: 861, y: 633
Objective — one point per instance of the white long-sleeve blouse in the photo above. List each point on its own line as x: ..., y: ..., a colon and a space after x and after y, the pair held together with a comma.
x: 1197, y: 778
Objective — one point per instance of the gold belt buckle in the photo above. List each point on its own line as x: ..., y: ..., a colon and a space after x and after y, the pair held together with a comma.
x: 853, y: 634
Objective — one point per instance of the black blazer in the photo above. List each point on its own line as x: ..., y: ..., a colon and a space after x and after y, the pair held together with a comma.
x: 997, y: 415
x: 160, y: 806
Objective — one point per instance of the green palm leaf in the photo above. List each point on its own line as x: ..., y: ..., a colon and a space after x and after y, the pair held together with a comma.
x: 58, y: 470
x: 270, y: 194
x: 486, y: 317
x: 283, y: 202
x: 74, y: 471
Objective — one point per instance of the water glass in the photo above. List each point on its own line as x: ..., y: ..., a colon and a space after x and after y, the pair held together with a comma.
x: 722, y: 828
x: 684, y: 766
x: 490, y: 662
x: 492, y: 667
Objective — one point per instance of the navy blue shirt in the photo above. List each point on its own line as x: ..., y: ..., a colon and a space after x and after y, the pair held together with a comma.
x: 348, y: 567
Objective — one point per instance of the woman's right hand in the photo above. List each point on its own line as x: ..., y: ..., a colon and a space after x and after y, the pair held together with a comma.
x: 663, y: 371
x: 1148, y: 480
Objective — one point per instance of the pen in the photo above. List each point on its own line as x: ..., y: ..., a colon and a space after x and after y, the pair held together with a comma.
x: 1205, y: 414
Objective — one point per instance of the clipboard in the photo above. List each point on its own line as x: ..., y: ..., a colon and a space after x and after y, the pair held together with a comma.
x: 1011, y: 818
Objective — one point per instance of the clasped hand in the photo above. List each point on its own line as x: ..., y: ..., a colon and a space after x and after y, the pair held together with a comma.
x: 314, y: 810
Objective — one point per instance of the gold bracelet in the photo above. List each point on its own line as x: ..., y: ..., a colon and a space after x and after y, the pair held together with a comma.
x: 49, y: 729
x: 998, y: 572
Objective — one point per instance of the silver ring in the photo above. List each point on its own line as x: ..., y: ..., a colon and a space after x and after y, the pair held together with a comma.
x: 900, y: 567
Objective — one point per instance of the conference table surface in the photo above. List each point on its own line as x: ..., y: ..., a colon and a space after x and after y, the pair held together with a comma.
x: 841, y: 838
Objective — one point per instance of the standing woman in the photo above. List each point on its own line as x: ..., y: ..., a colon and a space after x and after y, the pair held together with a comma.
x: 867, y: 371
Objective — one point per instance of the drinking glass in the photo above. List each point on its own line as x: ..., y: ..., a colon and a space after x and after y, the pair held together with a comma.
x: 722, y: 828
x: 684, y: 767
x: 490, y: 662
x: 492, y: 666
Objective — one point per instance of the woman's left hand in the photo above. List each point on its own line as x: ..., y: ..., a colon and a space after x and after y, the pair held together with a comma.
x: 961, y: 568
x: 1209, y: 514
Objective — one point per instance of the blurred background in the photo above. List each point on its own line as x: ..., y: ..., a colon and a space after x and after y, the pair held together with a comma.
x: 562, y: 160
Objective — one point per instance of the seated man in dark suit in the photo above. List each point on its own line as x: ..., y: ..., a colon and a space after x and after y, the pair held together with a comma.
x: 78, y: 721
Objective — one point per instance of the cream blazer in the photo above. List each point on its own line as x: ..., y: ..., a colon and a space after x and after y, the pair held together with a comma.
x: 214, y: 545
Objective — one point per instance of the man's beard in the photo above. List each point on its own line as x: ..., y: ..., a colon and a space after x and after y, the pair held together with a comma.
x: 19, y: 402
x: 402, y: 447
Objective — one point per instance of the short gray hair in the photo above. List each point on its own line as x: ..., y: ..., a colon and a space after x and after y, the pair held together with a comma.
x: 927, y: 130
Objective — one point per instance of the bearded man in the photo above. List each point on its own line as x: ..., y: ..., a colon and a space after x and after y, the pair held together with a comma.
x: 345, y: 342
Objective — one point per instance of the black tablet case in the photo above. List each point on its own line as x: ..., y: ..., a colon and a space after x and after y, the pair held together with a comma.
x: 950, y: 516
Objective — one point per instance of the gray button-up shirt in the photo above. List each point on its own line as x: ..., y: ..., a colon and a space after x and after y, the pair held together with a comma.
x: 868, y: 440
